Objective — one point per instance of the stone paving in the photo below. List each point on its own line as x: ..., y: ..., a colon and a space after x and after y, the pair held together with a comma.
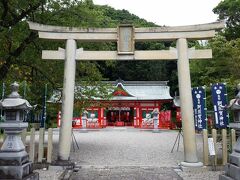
x: 125, y: 173
x: 200, y: 175
x: 127, y: 153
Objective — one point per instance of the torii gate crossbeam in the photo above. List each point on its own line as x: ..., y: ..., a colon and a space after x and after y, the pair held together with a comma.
x: 126, y: 36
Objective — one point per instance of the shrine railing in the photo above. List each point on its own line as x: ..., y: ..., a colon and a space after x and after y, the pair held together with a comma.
x: 222, y: 143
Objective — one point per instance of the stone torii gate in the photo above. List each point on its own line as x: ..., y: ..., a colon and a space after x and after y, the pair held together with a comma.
x: 126, y: 36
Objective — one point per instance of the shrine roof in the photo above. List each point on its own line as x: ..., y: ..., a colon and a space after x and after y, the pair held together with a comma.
x: 131, y: 90
x: 144, y: 90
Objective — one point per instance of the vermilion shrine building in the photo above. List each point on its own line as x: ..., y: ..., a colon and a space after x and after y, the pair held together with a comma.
x: 131, y: 104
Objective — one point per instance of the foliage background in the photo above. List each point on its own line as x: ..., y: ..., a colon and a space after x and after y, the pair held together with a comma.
x: 20, y: 48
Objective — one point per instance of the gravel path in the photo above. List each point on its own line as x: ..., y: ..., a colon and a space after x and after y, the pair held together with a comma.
x: 119, y: 147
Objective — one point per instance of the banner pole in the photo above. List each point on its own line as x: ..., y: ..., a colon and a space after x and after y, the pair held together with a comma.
x: 24, y: 90
x: 44, y: 108
x: 3, y: 94
x: 226, y: 101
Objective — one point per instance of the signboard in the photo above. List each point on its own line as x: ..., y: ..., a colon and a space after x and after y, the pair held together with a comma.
x: 84, y: 122
x: 199, y: 108
x: 211, y: 147
x: 219, y: 97
x: 125, y: 39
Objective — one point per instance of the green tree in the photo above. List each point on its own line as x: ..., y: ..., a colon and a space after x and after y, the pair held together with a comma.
x: 20, y: 48
x: 229, y: 10
x: 224, y: 67
x: 13, y: 35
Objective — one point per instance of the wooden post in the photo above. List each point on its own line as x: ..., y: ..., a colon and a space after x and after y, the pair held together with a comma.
x: 224, y: 147
x: 214, y: 136
x: 40, y: 144
x: 23, y: 136
x: 50, y: 145
x: 233, y: 138
x: 205, y: 147
x: 32, y: 145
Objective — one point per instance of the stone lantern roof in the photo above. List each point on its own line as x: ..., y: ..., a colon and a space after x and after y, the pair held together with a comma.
x: 14, y: 100
x: 235, y: 103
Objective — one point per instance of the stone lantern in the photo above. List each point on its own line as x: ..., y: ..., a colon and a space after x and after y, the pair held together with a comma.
x: 14, y: 160
x: 155, y: 114
x: 84, y: 121
x: 232, y: 169
x: 235, y: 107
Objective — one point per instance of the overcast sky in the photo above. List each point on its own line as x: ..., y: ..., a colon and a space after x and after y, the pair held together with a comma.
x: 168, y: 12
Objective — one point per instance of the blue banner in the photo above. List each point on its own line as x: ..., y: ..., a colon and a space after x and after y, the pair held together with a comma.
x: 219, y: 98
x: 199, y: 108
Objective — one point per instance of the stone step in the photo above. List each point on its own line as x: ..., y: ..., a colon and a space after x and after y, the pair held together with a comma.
x: 234, y: 172
x: 224, y: 177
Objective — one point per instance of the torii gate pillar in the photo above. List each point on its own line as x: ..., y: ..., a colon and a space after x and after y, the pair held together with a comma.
x: 68, y: 100
x: 184, y: 81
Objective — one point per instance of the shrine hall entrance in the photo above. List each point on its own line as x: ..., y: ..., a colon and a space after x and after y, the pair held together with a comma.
x: 119, y: 116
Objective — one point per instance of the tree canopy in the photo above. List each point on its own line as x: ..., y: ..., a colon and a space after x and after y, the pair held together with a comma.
x: 224, y: 67
x: 229, y: 10
x: 20, y: 48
